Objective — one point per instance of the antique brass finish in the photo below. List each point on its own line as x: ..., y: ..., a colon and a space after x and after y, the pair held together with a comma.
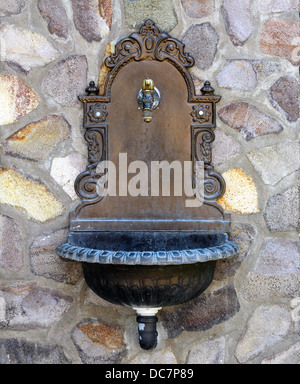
x: 148, y: 99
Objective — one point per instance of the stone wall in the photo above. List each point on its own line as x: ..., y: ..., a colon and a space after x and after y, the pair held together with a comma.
x: 250, y: 50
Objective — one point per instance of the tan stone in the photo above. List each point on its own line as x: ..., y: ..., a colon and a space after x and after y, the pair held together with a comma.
x: 16, y: 99
x: 33, y: 198
x: 241, y: 193
x: 104, y: 71
x: 281, y: 38
x: 37, y: 140
x: 106, y: 335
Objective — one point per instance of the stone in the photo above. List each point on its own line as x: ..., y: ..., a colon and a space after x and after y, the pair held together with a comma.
x: 264, y: 68
x: 267, y: 326
x: 201, y: 41
x: 223, y: 148
x: 211, y: 352
x: 14, y: 351
x: 243, y: 235
x: 281, y: 38
x: 11, y: 7
x: 54, y: 13
x: 282, y: 210
x: 276, y: 162
x: 290, y: 356
x: 104, y: 71
x: 267, y: 6
x: 241, y: 194
x: 238, y: 20
x: 37, y: 140
x: 65, y: 170
x: 276, y: 273
x: 25, y: 48
x: 30, y: 306
x: 249, y: 120
x: 202, y: 313
x: 164, y: 356
x: 44, y: 260
x: 98, y: 342
x: 11, y: 253
x: 278, y: 257
x: 285, y: 95
x: 33, y: 198
x: 198, y: 8
x: 66, y: 80
x: 88, y: 18
x: 238, y: 75
x: 16, y: 99
x: 106, y: 11
x: 161, y: 12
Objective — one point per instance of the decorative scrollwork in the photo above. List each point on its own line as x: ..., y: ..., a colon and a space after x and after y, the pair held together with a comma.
x: 204, y: 138
x: 214, y: 184
x: 173, y: 49
x: 150, y: 44
x: 86, y: 183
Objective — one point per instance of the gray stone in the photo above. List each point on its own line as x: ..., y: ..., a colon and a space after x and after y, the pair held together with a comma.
x: 278, y: 257
x: 282, y: 211
x: 14, y: 351
x: 223, y: 148
x: 202, y: 313
x: 163, y: 356
x: 64, y: 171
x: 284, y: 96
x: 88, y: 20
x: 44, y: 260
x: 276, y: 162
x: 276, y: 273
x: 201, y: 42
x: 238, y: 20
x: 25, y: 49
x: 11, y: 253
x: 211, y: 352
x: 161, y: 12
x: 267, y: 326
x: 11, y: 7
x: 238, y: 75
x: 67, y: 80
x: 54, y: 13
x: 289, y: 356
x: 279, y: 5
x: 243, y: 235
x: 248, y: 119
x: 29, y: 306
x: 98, y: 342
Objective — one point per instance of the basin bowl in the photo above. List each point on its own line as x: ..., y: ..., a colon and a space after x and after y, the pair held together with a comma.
x: 148, y: 269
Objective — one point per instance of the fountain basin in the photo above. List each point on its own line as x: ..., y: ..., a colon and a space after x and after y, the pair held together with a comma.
x: 148, y: 269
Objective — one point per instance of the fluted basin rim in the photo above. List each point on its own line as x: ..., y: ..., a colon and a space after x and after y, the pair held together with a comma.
x: 189, y: 256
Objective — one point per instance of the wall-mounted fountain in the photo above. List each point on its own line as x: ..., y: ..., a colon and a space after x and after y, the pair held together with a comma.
x: 141, y: 246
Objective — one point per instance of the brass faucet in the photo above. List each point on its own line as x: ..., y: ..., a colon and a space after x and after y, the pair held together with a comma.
x: 148, y: 99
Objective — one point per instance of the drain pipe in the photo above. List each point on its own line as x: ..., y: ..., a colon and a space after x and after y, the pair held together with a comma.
x: 147, y: 327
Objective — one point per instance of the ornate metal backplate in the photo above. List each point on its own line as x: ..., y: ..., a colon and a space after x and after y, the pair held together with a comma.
x: 109, y: 119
